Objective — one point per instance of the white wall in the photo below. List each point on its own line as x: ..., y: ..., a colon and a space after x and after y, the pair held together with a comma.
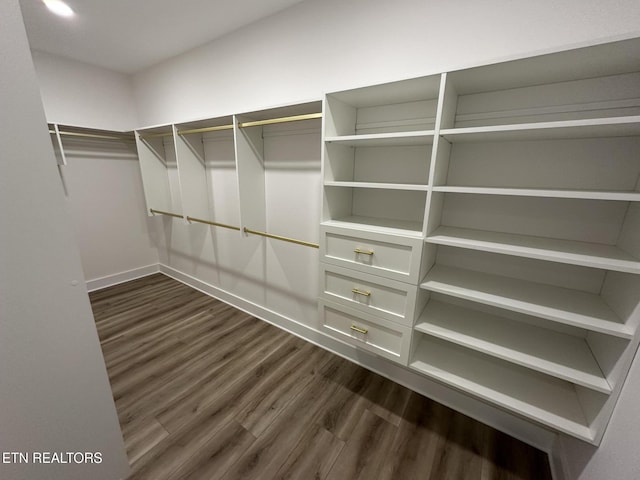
x: 54, y: 389
x: 74, y: 93
x: 326, y: 45
x: 108, y: 212
x: 103, y: 185
x: 617, y: 457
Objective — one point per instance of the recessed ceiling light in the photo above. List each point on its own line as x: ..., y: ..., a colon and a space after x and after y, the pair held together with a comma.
x: 59, y: 8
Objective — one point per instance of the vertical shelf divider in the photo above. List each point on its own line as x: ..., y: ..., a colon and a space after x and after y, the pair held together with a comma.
x: 439, y: 160
x: 249, y: 146
x: 63, y: 157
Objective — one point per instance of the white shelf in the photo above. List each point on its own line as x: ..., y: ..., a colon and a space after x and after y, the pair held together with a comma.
x: 384, y: 186
x: 556, y: 354
x: 382, y: 225
x: 594, y: 255
x: 562, y: 305
x: 587, y: 128
x: 420, y: 137
x: 623, y: 196
x: 533, y: 395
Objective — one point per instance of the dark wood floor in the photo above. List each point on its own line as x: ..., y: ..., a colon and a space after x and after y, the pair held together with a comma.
x: 204, y: 391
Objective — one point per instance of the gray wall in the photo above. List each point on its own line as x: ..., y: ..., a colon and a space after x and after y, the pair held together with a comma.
x: 54, y: 391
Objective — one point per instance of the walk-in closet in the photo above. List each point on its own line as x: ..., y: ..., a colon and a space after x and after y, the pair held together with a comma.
x: 332, y: 240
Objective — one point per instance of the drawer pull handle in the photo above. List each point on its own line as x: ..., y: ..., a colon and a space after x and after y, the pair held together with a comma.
x: 363, y: 252
x: 359, y: 330
x: 361, y: 292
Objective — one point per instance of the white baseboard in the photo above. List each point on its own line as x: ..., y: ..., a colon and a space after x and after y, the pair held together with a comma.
x: 517, y: 427
x: 116, y: 278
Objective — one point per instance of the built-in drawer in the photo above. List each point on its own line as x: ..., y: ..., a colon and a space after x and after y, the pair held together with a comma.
x: 376, y: 335
x: 392, y: 256
x: 389, y: 299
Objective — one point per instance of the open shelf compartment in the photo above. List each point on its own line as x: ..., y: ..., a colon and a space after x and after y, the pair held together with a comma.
x: 557, y: 354
x: 599, y: 84
x: 542, y: 398
x: 375, y: 209
x: 399, y: 110
x: 563, y: 305
x: 403, y: 167
x: 596, y: 255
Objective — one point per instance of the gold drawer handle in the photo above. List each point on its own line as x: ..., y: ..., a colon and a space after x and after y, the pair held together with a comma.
x: 359, y: 330
x: 361, y: 292
x: 363, y: 252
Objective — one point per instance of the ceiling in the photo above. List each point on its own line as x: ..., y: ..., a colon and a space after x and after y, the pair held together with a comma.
x: 131, y: 35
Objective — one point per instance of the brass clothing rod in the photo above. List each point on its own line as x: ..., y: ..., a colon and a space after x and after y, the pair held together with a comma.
x: 92, y: 135
x: 295, y: 118
x: 215, y: 224
x: 156, y: 135
x: 284, y: 239
x: 169, y: 214
x: 205, y: 129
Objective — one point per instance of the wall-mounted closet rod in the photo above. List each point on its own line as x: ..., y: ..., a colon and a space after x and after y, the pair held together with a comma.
x: 169, y: 214
x: 284, y: 239
x: 215, y: 224
x: 156, y: 135
x: 205, y: 129
x: 93, y: 135
x: 294, y: 118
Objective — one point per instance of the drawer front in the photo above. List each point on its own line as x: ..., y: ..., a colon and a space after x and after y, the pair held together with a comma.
x: 384, y: 338
x: 390, y: 256
x: 389, y: 299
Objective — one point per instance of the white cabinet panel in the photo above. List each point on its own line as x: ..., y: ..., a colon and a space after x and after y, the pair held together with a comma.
x: 382, y: 337
x: 389, y: 299
x: 394, y: 257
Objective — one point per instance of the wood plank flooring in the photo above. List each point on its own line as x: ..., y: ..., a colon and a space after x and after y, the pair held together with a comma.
x: 204, y: 391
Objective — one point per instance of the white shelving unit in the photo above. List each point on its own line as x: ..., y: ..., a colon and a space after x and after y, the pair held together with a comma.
x: 523, y: 180
x: 537, y: 167
x: 377, y: 154
x: 378, y: 143
x: 480, y: 227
